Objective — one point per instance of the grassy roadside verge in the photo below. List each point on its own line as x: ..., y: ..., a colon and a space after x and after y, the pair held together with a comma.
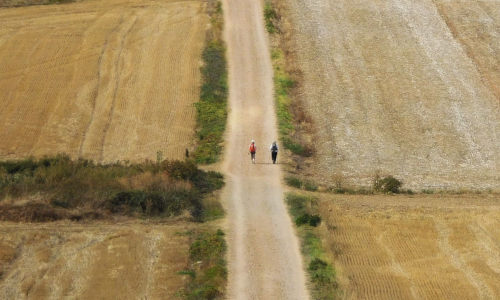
x: 291, y: 116
x: 321, y: 272
x: 55, y: 188
x: 212, y: 107
x: 206, y: 269
x: 291, y: 121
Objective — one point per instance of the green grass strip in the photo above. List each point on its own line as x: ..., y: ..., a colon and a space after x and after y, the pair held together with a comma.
x: 212, y: 107
x: 321, y: 272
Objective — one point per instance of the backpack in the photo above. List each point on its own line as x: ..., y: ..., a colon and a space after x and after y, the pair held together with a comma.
x: 252, y: 148
x: 274, y: 148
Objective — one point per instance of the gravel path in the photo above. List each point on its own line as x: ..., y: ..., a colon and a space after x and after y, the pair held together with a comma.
x: 264, y: 257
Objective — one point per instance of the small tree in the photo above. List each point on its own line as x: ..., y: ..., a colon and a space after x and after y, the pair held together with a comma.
x: 387, y: 184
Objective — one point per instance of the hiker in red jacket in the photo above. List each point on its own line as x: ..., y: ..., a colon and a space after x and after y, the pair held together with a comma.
x: 252, y: 149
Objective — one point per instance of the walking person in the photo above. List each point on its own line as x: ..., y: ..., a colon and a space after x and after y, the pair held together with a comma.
x: 252, y: 150
x: 274, y: 151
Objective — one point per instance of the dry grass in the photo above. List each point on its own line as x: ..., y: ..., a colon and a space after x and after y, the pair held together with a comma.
x: 403, y: 88
x: 104, y: 80
x: 130, y: 260
x: 425, y: 246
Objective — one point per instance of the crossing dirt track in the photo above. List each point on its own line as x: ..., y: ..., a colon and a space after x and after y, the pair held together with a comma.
x: 408, y: 88
x: 414, y: 247
x: 105, y: 80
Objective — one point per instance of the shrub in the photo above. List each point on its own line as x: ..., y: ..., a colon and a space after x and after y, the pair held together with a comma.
x: 293, y: 181
x: 388, y: 184
x: 320, y: 271
x: 312, y: 220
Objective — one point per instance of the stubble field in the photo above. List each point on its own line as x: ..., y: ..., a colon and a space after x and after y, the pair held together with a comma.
x: 404, y: 88
x: 420, y: 247
x: 104, y: 80
x: 123, y: 260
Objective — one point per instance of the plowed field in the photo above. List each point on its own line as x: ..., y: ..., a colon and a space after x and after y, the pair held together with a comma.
x: 424, y: 247
x: 408, y: 88
x: 106, y: 80
x: 93, y: 261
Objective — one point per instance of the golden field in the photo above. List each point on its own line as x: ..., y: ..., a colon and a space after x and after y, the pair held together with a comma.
x: 420, y: 247
x: 103, y: 80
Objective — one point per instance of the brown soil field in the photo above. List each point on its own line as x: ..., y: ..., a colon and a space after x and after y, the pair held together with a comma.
x: 406, y: 88
x: 126, y: 260
x: 421, y: 247
x: 105, y: 80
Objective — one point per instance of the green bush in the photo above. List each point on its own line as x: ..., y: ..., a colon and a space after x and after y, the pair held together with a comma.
x: 312, y: 220
x: 293, y: 181
x: 320, y: 271
x: 387, y: 184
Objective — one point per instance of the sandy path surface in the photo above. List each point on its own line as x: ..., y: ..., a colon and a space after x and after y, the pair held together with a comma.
x: 264, y: 257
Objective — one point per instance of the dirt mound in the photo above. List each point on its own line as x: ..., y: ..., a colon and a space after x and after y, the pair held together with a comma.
x: 406, y: 88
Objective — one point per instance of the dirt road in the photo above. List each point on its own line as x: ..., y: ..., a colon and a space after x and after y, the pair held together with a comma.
x: 264, y: 257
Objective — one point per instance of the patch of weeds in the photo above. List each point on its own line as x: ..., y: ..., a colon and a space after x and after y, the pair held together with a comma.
x: 212, y: 107
x: 207, y: 272
x: 321, y: 272
x: 299, y: 207
x: 150, y: 189
x: 310, y: 186
x: 299, y: 184
x: 271, y: 17
x: 293, y: 182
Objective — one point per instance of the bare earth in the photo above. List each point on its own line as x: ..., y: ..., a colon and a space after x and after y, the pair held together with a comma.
x: 264, y: 257
x: 106, y: 80
x: 421, y: 247
x: 409, y: 88
x: 92, y: 261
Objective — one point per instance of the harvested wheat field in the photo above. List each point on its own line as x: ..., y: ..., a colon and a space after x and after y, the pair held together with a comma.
x: 105, y: 80
x: 424, y: 247
x: 92, y: 261
x: 408, y: 88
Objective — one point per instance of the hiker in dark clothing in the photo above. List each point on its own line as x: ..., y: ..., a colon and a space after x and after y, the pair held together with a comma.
x: 274, y: 151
